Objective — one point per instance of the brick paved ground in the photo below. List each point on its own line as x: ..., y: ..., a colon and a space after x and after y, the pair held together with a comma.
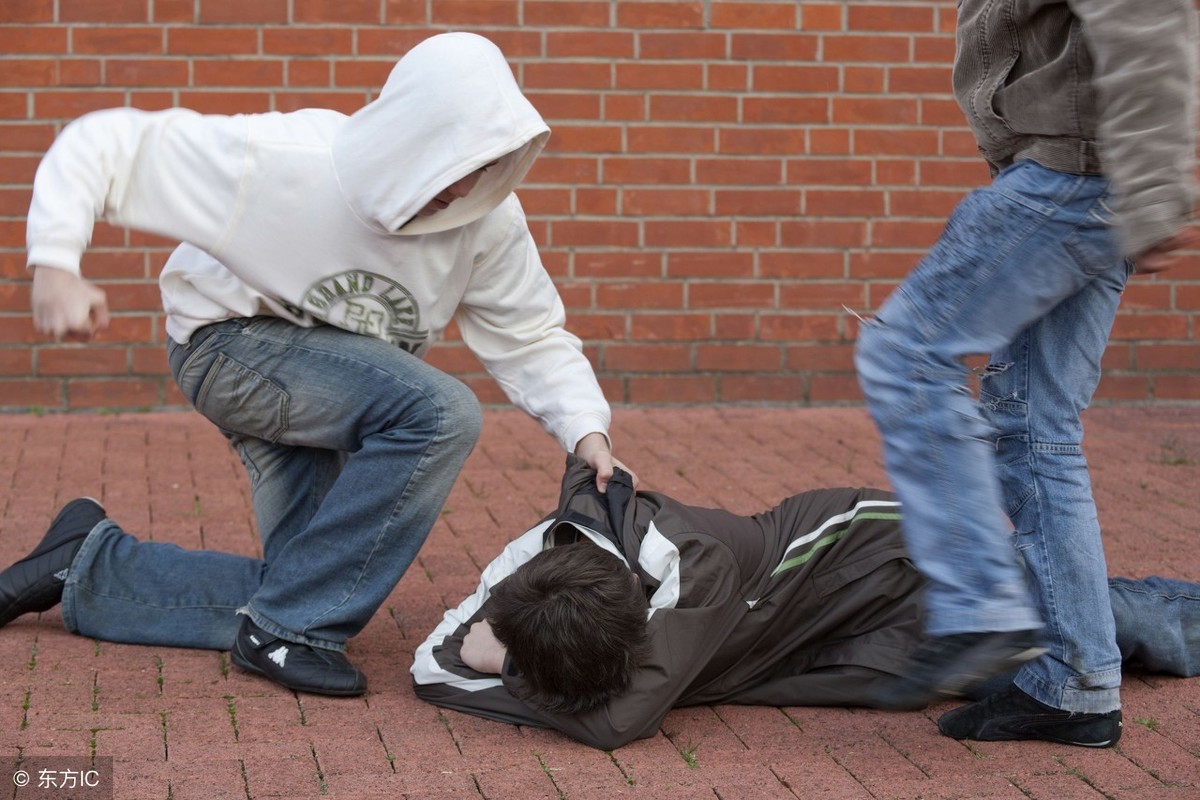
x: 185, y: 724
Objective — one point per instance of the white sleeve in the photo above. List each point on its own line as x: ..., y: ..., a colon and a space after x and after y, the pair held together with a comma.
x: 174, y: 173
x: 512, y: 319
x: 425, y: 668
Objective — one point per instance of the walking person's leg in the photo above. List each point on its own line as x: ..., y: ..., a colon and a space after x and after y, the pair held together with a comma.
x: 1002, y: 263
x: 1033, y: 394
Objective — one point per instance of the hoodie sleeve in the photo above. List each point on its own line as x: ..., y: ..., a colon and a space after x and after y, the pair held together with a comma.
x: 512, y: 318
x: 174, y: 173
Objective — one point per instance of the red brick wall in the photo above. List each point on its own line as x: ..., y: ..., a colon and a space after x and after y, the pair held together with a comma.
x: 723, y: 177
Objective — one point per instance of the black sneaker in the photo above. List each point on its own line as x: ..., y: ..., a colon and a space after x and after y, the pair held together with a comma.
x: 948, y: 666
x: 1012, y: 715
x: 35, y: 583
x: 296, y: 666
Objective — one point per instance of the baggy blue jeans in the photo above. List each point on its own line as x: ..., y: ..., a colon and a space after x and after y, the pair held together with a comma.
x: 351, y: 446
x: 1027, y: 271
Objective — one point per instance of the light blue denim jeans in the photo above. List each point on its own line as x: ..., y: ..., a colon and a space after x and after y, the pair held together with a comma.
x: 1028, y: 272
x: 351, y: 446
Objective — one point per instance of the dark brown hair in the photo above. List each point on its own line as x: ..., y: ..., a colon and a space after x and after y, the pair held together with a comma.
x: 574, y: 621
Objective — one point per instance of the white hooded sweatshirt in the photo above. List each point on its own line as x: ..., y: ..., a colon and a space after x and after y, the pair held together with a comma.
x: 311, y: 216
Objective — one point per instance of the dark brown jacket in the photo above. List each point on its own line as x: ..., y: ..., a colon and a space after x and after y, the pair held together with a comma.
x: 808, y: 603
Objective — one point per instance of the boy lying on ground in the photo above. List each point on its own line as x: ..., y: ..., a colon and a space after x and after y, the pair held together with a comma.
x: 619, y: 607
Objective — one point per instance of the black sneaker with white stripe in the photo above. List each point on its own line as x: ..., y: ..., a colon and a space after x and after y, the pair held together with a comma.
x: 35, y: 583
x: 1012, y: 715
x: 295, y: 666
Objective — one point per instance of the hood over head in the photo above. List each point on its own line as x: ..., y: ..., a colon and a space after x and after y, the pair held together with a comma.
x: 449, y: 107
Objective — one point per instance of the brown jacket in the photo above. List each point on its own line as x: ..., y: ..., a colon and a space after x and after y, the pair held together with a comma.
x: 808, y: 603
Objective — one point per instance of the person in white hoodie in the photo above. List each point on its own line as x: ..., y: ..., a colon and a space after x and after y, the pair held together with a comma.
x: 322, y: 254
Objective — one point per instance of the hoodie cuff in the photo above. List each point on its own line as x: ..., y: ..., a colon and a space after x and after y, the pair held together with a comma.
x: 64, y: 257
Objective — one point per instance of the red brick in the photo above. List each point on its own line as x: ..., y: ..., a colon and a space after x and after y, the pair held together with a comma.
x: 775, y: 46
x: 785, y: 110
x: 693, y: 46
x: 771, y: 388
x: 820, y: 358
x: 670, y: 139
x: 1151, y: 326
x: 793, y: 265
x: 668, y: 233
x: 811, y: 295
x: 678, y: 14
x: 307, y: 41
x: 800, y: 327
x: 335, y: 12
x: 24, y: 39
x: 796, y: 78
x: 116, y: 393
x: 146, y: 72
x: 742, y: 171
x: 590, y: 44
x: 754, y: 15
x: 181, y: 11
x: 598, y: 233
x: 653, y: 202
x: 131, y: 40
x: 866, y: 80
x: 617, y: 265
x: 626, y: 107
x: 823, y: 234
x: 1168, y: 357
x: 759, y: 202
x: 874, y: 111
x: 708, y: 264
x: 110, y: 11
x: 1177, y: 387
x: 730, y: 294
x: 226, y: 102
x: 829, y: 172
x: 890, y: 49
x: 578, y: 13
x: 682, y: 389
x: 648, y: 358
x: 738, y: 358
x: 670, y: 327
x: 640, y: 295
x: 476, y: 12
x: 585, y: 139
x: 211, y: 41
x: 243, y: 72
x: 239, y: 12
x: 27, y: 394
x: 822, y: 16
x: 834, y: 388
x: 693, y: 108
x: 92, y: 360
x: 71, y: 104
x: 894, y: 19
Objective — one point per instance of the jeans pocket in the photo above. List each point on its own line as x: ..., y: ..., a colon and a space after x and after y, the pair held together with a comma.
x: 238, y: 399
